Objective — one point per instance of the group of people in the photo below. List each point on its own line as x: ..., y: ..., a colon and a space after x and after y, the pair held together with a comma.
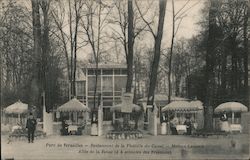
x: 174, y: 122
x: 65, y: 126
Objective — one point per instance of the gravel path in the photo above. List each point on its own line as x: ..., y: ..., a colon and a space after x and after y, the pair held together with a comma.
x: 149, y: 147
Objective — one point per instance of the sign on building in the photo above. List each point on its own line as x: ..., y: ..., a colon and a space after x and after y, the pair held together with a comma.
x: 127, y: 102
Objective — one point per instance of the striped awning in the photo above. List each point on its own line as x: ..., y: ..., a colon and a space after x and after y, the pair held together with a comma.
x: 118, y: 107
x: 230, y: 107
x: 17, y: 108
x: 163, y: 98
x: 73, y: 105
x: 183, y: 106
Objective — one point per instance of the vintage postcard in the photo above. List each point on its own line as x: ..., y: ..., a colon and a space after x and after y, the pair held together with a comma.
x: 124, y: 79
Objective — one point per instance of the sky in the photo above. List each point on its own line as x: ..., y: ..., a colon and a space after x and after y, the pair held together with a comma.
x: 188, y: 26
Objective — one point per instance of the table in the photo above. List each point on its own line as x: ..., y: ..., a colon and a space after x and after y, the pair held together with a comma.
x: 181, y: 129
x: 72, y: 128
x: 15, y: 128
x: 235, y: 128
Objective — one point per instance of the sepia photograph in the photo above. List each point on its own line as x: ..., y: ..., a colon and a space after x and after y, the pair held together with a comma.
x: 125, y: 79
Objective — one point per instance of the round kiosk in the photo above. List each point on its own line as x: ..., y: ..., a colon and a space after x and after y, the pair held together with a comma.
x: 74, y: 116
x: 183, y: 116
x: 230, y: 115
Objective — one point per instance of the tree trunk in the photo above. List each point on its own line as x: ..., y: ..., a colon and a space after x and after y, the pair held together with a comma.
x: 35, y: 89
x: 130, y: 54
x: 75, y: 48
x: 208, y: 123
x: 71, y: 50
x: 129, y: 57
x: 157, y: 52
x: 45, y: 55
x: 224, y: 70
x: 171, y: 54
x: 234, y: 73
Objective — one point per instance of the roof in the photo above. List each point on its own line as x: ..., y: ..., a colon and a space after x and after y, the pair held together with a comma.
x: 119, y: 106
x: 231, y: 107
x: 163, y: 97
x: 73, y: 105
x: 183, y: 106
x: 17, y: 108
x: 106, y: 66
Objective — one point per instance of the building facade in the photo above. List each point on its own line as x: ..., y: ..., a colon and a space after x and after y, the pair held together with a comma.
x: 111, y: 80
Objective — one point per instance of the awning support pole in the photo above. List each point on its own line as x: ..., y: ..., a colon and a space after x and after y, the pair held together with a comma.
x: 232, y: 117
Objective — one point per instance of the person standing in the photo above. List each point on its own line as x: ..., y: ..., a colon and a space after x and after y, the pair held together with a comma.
x: 224, y: 122
x: 173, y: 123
x: 65, y: 126
x: 188, y: 124
x: 31, y: 126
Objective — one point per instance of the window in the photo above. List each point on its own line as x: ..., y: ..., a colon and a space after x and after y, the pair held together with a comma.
x: 92, y: 93
x: 107, y: 72
x: 107, y: 114
x: 107, y: 101
x: 91, y: 103
x: 80, y: 88
x: 92, y: 71
x: 118, y: 93
x: 91, y: 83
x: 117, y: 71
x: 107, y: 85
x: 120, y: 82
x: 109, y: 93
x: 124, y: 71
x: 120, y: 71
x: 117, y: 101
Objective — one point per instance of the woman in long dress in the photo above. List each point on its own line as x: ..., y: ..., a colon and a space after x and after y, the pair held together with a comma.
x: 224, y: 122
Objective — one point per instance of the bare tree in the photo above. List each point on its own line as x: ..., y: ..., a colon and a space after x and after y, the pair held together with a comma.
x: 177, y: 18
x: 16, y: 42
x: 48, y: 71
x: 130, y: 27
x: 78, y: 4
x: 58, y: 15
x: 157, y: 48
x: 93, y: 22
x: 70, y: 41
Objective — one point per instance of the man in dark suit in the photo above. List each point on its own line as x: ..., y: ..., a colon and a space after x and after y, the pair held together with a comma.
x: 31, y: 126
